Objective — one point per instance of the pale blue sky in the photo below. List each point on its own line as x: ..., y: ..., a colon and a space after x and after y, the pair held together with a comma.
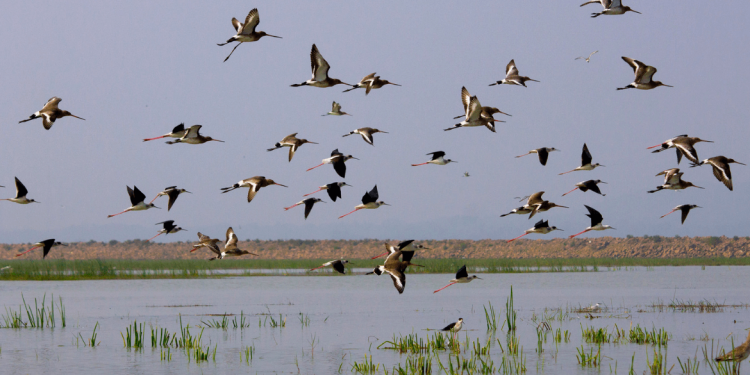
x: 136, y: 69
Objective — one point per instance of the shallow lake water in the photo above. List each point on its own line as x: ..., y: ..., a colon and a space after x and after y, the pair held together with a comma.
x: 350, y: 316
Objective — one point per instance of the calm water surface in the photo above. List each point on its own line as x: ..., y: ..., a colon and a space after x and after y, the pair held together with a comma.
x: 350, y: 316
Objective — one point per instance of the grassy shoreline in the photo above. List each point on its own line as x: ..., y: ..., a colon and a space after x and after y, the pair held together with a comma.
x: 160, y: 269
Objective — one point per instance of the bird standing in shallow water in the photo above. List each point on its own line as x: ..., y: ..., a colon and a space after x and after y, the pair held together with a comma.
x: 246, y: 31
x: 453, y: 328
x: 739, y: 354
x: 49, y: 113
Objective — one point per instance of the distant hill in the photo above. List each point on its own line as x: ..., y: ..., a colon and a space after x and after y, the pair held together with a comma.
x: 605, y: 247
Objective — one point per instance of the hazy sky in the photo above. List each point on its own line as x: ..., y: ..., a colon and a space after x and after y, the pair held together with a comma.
x: 135, y: 69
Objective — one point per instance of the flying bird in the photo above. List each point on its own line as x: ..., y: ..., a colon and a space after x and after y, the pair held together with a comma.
x: 438, y: 158
x: 720, y: 165
x: 407, y: 245
x: 542, y: 152
x: 309, y: 202
x: 246, y: 31
x: 512, y: 77
x: 588, y: 185
x: 611, y: 8
x: 586, y: 164
x: 172, y: 192
x: 177, y: 132
x: 395, y: 267
x: 673, y: 181
x: 684, y: 146
x: 684, y: 208
x: 473, y: 113
x: 193, y: 136
x: 320, y: 69
x: 333, y: 189
x: 292, y: 142
x: 462, y: 277
x: 206, y: 241
x: 230, y: 247
x: 541, y: 227
x: 366, y: 134
x: 338, y: 265
x: 49, y: 113
x: 537, y: 204
x: 586, y: 58
x: 643, y: 76
x: 137, y: 201
x: 254, y: 183
x: 596, y: 222
x: 336, y: 110
x: 370, y: 82
x: 169, y: 227
x: 338, y: 160
x: 47, y: 245
x: 21, y: 193
x: 369, y: 201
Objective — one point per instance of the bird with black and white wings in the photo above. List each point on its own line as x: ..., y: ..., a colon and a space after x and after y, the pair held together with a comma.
x: 721, y: 169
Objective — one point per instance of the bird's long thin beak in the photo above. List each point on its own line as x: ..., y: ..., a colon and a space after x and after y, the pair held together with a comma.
x: 78, y: 117
x: 480, y: 278
x: 391, y: 83
x: 739, y: 163
x: 217, y: 140
x: 386, y: 204
x: 281, y: 185
x: 641, y: 13
x: 559, y: 229
x: 602, y: 165
x: 354, y: 158
x: 274, y: 36
x: 157, y: 207
x: 315, y: 143
x: 662, y: 83
x: 562, y: 206
x: 602, y: 182
x: 188, y: 192
x: 698, y: 187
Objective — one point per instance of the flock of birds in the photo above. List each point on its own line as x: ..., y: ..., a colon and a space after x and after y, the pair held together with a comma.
x: 398, y: 257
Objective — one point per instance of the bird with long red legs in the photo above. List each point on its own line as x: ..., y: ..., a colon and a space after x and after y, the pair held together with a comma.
x: 462, y: 277
x: 369, y: 201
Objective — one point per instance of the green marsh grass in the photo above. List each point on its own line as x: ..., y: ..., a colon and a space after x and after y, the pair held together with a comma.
x: 242, y: 323
x: 366, y: 366
x: 510, y: 312
x: 249, y: 352
x: 642, y: 336
x: 589, y: 359
x: 490, y: 317
x: 37, y: 316
x: 133, y: 337
x: 220, y: 324
x: 91, y: 341
x: 160, y: 337
x: 59, y: 269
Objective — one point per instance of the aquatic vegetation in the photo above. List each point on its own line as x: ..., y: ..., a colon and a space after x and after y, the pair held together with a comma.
x: 242, y: 324
x: 589, y: 359
x: 90, y: 342
x: 638, y: 335
x: 37, y: 317
x: 412, y: 343
x: 690, y: 366
x: 304, y: 319
x: 490, y: 317
x: 510, y: 313
x: 704, y: 306
x: 165, y: 354
x: 561, y: 336
x: 160, y: 337
x: 133, y: 337
x: 249, y: 352
x: 659, y: 365
x: 213, y: 323
x: 366, y: 367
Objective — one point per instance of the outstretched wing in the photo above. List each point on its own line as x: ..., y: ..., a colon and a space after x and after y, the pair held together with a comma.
x: 319, y: 65
x: 251, y: 22
x: 510, y: 69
